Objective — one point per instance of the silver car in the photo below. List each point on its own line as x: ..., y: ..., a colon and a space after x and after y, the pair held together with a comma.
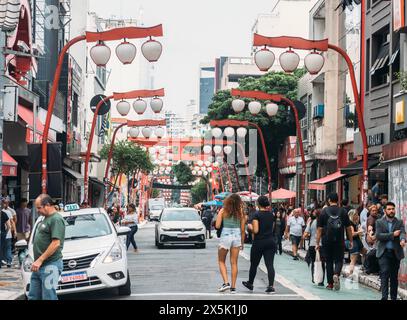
x: 180, y: 226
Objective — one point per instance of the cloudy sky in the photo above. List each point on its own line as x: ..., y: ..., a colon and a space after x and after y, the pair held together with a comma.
x: 195, y: 31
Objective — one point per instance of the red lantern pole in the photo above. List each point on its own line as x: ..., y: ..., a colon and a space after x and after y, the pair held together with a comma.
x: 324, y: 45
x: 110, y: 35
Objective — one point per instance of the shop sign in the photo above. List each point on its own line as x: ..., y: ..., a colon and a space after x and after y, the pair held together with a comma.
x: 376, y: 139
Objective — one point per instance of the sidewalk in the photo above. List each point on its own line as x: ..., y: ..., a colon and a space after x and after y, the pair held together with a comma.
x: 371, y: 281
x: 11, y: 284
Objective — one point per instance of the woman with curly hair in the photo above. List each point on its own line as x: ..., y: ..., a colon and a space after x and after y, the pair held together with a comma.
x: 232, y: 220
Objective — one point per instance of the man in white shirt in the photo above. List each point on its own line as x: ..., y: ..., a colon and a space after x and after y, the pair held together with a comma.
x: 294, y: 229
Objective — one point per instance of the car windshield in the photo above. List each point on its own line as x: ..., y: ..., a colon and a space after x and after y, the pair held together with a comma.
x: 86, y: 226
x: 180, y: 215
x: 156, y: 208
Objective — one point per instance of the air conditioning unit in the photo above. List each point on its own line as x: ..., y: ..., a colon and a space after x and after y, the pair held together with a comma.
x: 319, y: 111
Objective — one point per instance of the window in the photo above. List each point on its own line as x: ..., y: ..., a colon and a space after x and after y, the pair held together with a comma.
x: 379, y: 69
x: 75, y: 110
x: 395, y: 57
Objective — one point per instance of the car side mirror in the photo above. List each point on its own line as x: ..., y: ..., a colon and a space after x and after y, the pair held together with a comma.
x: 123, y: 231
x: 21, y: 245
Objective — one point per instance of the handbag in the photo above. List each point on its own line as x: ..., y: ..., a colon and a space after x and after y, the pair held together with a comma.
x: 318, y: 271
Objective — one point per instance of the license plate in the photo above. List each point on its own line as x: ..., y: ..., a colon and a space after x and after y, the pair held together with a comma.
x: 72, y: 277
x: 183, y: 236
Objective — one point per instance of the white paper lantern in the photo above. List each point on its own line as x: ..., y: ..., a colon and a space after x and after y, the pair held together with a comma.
x: 100, y: 54
x: 126, y: 52
x: 229, y: 132
x: 255, y: 107
x: 241, y: 132
x: 272, y: 109
x: 156, y: 105
x: 208, y: 163
x: 238, y: 105
x: 200, y: 163
x: 289, y: 61
x: 160, y: 132
x: 163, y: 151
x: 147, y: 132
x: 123, y: 107
x: 207, y: 149
x: 216, y: 164
x: 140, y: 106
x: 314, y: 62
x: 218, y: 149
x: 210, y: 169
x: 194, y: 172
x: 264, y: 59
x: 134, y: 132
x: 217, y: 132
x: 228, y: 150
x: 152, y: 50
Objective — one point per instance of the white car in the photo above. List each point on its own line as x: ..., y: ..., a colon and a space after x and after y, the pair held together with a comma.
x: 94, y: 254
x: 180, y: 226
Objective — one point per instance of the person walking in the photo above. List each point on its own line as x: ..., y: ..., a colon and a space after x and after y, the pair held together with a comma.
x: 5, y: 226
x: 233, y: 219
x: 264, y: 244
x: 311, y: 234
x: 332, y: 224
x: 47, y: 246
x: 131, y: 220
x: 24, y: 221
x: 10, y: 233
x: 294, y: 229
x: 357, y: 234
x: 207, y: 217
x: 391, y: 240
x: 279, y: 230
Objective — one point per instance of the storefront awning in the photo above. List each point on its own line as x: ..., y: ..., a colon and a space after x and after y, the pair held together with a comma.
x: 28, y: 117
x: 73, y: 174
x: 357, y: 167
x: 320, y: 184
x: 9, y: 165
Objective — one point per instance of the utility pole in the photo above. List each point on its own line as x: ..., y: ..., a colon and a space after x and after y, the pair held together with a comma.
x: 2, y: 74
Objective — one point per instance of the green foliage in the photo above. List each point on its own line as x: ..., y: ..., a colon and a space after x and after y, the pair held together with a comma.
x: 199, y: 192
x: 275, y: 129
x: 183, y: 173
x: 128, y: 158
x: 402, y: 77
x: 155, y: 193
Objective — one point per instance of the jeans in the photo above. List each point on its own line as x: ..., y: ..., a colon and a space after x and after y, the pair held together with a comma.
x: 262, y: 248
x: 130, y: 237
x: 8, y: 256
x: 389, y: 269
x: 3, y: 246
x: 44, y: 283
x: 333, y: 255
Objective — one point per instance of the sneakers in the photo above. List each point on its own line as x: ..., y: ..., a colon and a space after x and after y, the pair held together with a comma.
x: 337, y: 283
x: 233, y: 290
x: 248, y: 285
x: 3, y: 263
x: 224, y: 287
x: 330, y: 286
x: 270, y: 290
x: 320, y: 284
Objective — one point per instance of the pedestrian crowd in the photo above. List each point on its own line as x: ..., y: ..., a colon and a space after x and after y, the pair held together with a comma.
x: 373, y: 237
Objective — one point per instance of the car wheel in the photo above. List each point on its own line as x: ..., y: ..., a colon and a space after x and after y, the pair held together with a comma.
x: 125, y: 290
x: 156, y: 242
x: 160, y: 246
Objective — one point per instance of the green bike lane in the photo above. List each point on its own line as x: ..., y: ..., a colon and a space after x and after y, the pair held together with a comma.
x: 297, y: 274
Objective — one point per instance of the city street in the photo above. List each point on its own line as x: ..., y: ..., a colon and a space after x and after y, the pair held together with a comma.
x: 192, y: 274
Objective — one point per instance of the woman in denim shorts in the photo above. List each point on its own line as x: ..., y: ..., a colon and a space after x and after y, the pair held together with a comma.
x: 233, y: 220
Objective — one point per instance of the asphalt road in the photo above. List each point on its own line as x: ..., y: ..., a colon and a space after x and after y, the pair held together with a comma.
x: 185, y: 273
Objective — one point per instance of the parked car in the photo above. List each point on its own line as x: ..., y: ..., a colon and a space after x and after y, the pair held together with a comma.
x: 155, y: 207
x: 180, y: 226
x: 94, y: 253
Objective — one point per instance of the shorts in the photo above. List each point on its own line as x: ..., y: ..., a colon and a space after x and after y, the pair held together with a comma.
x: 357, y: 247
x: 295, y: 240
x: 23, y: 236
x: 230, y: 238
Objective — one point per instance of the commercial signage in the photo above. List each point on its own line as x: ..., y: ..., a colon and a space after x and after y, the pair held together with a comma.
x: 400, y: 112
x: 398, y: 15
x: 376, y: 139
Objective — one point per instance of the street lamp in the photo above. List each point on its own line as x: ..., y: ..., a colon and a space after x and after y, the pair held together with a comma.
x: 313, y: 64
x: 100, y: 54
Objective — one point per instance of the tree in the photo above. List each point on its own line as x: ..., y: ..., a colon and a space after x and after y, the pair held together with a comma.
x: 183, y: 173
x: 128, y: 158
x: 275, y: 129
x: 155, y: 193
x: 199, y: 192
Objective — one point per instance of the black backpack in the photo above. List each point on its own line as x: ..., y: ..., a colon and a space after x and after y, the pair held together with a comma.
x: 334, y: 228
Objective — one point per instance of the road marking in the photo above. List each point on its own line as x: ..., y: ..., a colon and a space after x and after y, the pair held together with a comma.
x: 286, y: 283
x: 210, y: 294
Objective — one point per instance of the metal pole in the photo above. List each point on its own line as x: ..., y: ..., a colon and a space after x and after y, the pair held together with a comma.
x: 2, y: 73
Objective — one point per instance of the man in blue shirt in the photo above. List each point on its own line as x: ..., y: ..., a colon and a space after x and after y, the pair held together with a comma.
x: 391, y: 240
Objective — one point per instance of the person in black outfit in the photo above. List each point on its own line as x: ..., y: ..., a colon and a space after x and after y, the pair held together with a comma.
x: 263, y: 244
x: 331, y: 228
x: 207, y: 217
x: 279, y: 229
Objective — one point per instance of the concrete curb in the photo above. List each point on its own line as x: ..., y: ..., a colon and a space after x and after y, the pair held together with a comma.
x: 365, y: 279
